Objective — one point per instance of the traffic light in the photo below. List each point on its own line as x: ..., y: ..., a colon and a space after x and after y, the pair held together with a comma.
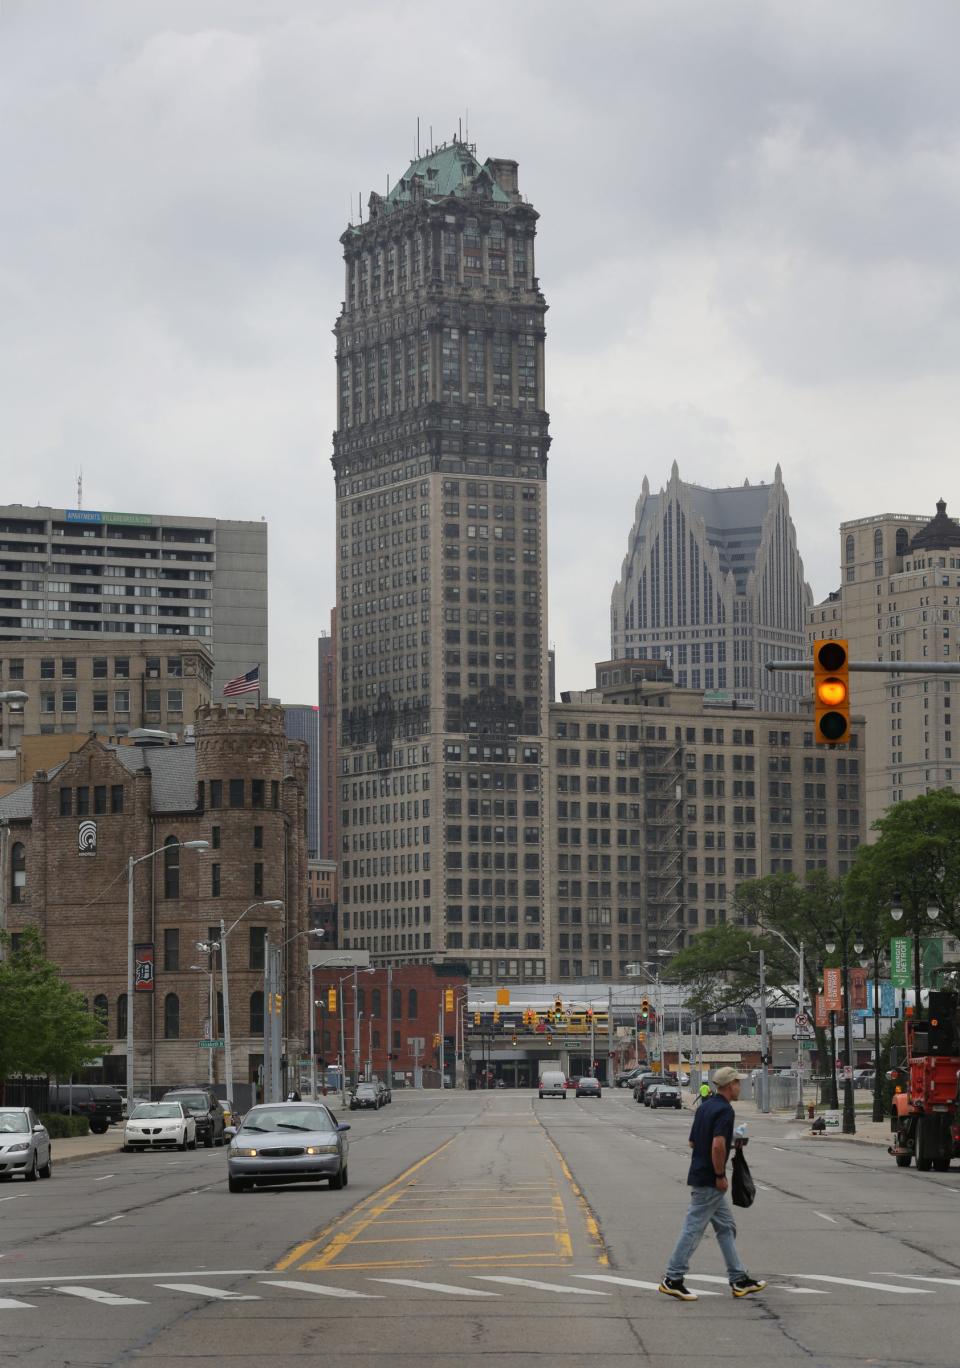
x: 831, y: 692
x: 448, y: 1000
x: 589, y: 1015
x: 514, y: 1038
x: 476, y: 1018
x: 558, y: 1006
x: 436, y: 1040
x: 496, y: 1016
x: 645, y: 1010
x: 331, y: 999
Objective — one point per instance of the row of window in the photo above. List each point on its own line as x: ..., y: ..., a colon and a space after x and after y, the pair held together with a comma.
x: 236, y: 793
x: 171, y: 1015
x: 152, y: 701
x: 99, y: 667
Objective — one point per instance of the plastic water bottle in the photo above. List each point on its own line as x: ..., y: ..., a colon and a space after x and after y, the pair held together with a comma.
x: 741, y: 1131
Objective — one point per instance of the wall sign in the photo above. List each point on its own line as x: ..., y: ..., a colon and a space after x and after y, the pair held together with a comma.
x: 143, y: 968
x: 87, y: 837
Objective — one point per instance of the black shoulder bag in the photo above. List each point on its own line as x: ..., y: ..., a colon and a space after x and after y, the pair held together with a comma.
x: 742, y: 1187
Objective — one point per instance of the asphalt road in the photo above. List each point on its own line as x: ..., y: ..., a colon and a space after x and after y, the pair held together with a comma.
x: 481, y: 1225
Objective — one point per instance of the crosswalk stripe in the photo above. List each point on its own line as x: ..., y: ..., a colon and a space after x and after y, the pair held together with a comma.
x: 630, y: 1282
x: 540, y: 1286
x: 199, y: 1290
x: 438, y: 1287
x: 917, y: 1277
x: 860, y: 1282
x: 771, y: 1287
x: 11, y: 1304
x: 96, y: 1294
x: 321, y: 1291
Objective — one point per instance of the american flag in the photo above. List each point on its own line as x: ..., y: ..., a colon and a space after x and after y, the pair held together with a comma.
x: 245, y: 683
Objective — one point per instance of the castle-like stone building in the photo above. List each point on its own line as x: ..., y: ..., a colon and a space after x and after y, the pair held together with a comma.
x: 65, y: 842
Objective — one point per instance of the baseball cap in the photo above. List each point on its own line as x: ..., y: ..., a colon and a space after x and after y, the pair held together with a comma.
x: 724, y: 1076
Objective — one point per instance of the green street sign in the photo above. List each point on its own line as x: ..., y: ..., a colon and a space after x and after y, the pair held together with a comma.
x: 211, y: 1044
x: 901, y: 973
x: 807, y: 1044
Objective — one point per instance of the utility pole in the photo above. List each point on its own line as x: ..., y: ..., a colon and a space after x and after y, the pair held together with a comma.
x: 389, y: 1026
x: 593, y: 1065
x: 267, y: 1015
x: 343, y: 1049
x: 764, y: 1042
x: 356, y: 1032
x: 440, y: 1018
x: 609, y: 1037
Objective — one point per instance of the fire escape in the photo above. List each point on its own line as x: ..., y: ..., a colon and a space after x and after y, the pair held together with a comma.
x: 663, y: 826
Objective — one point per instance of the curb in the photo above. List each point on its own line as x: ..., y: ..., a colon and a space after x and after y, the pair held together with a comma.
x: 74, y: 1157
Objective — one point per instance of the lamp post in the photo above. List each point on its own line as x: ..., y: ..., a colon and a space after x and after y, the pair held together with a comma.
x: 132, y: 863
x: 896, y: 913
x: 798, y: 951
x: 849, y: 1114
x: 199, y: 969
x: 222, y: 946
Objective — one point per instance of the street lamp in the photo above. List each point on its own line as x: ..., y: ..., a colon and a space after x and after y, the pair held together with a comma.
x: 798, y: 951
x: 222, y: 943
x: 199, y: 969
x: 131, y: 864
x: 849, y: 1114
x: 896, y: 914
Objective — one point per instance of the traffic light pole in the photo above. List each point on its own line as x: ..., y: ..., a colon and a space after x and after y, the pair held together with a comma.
x: 925, y: 667
x: 609, y: 1037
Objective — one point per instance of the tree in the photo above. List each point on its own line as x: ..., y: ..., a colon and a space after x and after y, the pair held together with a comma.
x: 45, y: 1027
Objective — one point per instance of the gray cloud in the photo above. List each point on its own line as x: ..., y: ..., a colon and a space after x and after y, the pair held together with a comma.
x: 749, y: 218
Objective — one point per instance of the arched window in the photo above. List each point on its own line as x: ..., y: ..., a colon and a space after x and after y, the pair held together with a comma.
x: 220, y: 1031
x: 397, y: 1003
x: 171, y: 867
x: 18, y: 873
x: 411, y: 1003
x: 849, y: 551
x: 171, y: 1017
x: 850, y: 555
x: 256, y: 1014
x: 101, y: 1009
x: 903, y: 541
x: 375, y: 1008
x: 122, y: 1016
x: 877, y: 543
x: 361, y: 1001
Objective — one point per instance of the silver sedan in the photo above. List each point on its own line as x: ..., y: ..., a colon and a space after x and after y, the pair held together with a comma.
x: 288, y: 1142
x: 24, y: 1145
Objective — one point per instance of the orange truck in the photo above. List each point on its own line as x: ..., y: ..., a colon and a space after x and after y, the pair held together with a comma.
x: 925, y: 1120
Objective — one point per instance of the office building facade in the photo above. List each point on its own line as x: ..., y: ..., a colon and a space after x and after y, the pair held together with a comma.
x: 712, y: 584
x: 899, y: 600
x: 302, y: 723
x: 440, y: 460
x: 67, y: 573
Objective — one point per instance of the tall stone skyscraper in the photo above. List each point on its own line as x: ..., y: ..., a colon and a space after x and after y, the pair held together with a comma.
x: 712, y: 582
x: 440, y: 460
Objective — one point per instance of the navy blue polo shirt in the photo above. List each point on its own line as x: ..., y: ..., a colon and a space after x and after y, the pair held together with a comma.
x: 713, y: 1117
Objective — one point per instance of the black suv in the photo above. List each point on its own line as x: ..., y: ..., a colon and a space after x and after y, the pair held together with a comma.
x: 100, y: 1104
x: 205, y: 1109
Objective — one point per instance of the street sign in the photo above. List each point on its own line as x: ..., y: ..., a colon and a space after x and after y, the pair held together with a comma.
x: 211, y: 1044
x: 832, y: 1119
x: 416, y: 1043
x: 801, y: 1020
x: 801, y: 1035
x: 807, y: 1044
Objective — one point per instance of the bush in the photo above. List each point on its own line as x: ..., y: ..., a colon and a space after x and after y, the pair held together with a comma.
x: 62, y: 1127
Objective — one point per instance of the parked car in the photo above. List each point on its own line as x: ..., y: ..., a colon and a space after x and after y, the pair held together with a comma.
x: 366, y: 1095
x: 664, y: 1095
x: 155, y: 1125
x: 99, y: 1103
x: 552, y: 1083
x: 642, y: 1083
x: 206, y: 1111
x: 24, y: 1145
x: 288, y: 1142
x: 385, y: 1094
x: 588, y: 1087
x: 627, y: 1077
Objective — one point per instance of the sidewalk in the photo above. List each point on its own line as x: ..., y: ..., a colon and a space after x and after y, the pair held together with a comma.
x: 868, y: 1132
x: 68, y: 1150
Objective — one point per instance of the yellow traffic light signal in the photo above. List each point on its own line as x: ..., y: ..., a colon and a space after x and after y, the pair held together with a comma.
x: 331, y: 999
x: 645, y: 1008
x: 558, y: 1005
x: 448, y: 1000
x: 476, y: 1018
x: 436, y: 1039
x: 496, y: 1015
x: 831, y: 692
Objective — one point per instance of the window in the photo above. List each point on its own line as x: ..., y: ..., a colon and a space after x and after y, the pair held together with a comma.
x: 175, y: 700
x: 171, y: 949
x: 214, y: 881
x: 18, y: 873
x: 375, y: 1009
x: 69, y: 703
x: 171, y: 1017
x: 121, y: 667
x: 236, y: 793
x: 256, y: 793
x: 257, y: 938
x: 121, y: 700
x: 83, y: 801
x: 66, y: 802
x: 48, y: 669
x: 101, y: 1010
x: 171, y: 867
x: 175, y: 667
x: 68, y: 669
x: 152, y: 700
x: 16, y: 669
x: 411, y: 1004
x: 216, y: 793
x: 48, y: 702
x: 121, y: 1016
x: 256, y: 1013
x: 116, y: 797
x: 274, y: 793
x: 215, y: 838
x: 99, y: 667
x: 101, y: 701
x: 258, y: 838
x: 258, y: 879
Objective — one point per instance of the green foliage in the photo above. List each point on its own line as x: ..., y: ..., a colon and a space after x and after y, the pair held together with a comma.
x: 45, y: 1027
x: 916, y: 858
x: 62, y: 1127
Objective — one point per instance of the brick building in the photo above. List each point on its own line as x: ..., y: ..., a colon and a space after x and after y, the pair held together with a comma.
x: 66, y: 837
x: 394, y: 1006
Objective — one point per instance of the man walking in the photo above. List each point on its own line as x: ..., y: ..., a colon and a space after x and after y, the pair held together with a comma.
x: 711, y: 1139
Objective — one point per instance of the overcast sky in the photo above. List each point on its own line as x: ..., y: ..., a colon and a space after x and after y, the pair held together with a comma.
x: 748, y: 242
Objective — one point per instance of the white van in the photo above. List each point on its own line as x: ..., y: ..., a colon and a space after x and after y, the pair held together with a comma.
x: 553, y: 1084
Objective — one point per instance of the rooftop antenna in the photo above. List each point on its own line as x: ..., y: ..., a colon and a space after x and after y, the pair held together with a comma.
x: 431, y: 139
x: 467, y: 124
x: 418, y: 137
x: 80, y: 488
x: 388, y: 185
x: 459, y: 130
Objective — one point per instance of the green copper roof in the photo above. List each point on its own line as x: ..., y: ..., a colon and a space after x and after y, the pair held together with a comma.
x: 450, y: 170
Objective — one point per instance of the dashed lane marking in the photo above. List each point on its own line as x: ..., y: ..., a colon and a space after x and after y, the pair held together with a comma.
x: 917, y: 1277
x: 630, y: 1282
x: 96, y: 1294
x: 860, y: 1282
x: 448, y: 1289
x: 214, y: 1293
x: 540, y: 1286
x: 319, y: 1291
x: 11, y: 1304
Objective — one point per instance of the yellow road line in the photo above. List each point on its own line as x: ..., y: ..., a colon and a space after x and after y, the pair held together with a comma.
x: 303, y: 1248
x: 593, y: 1229
x: 422, y: 1239
x: 468, y: 1220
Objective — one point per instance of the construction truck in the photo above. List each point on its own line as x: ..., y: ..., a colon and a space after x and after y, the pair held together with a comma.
x: 926, y: 1118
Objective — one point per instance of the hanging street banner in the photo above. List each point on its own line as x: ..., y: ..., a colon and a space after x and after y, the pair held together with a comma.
x: 901, y: 971
x: 887, y: 1003
x: 143, y: 979
x: 858, y: 990
x: 832, y: 990
x: 931, y: 959
x: 822, y: 1016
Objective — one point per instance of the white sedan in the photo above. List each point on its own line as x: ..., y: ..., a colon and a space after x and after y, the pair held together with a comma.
x: 155, y: 1124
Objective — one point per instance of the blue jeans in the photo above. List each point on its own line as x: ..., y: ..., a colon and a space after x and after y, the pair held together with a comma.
x: 707, y: 1207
